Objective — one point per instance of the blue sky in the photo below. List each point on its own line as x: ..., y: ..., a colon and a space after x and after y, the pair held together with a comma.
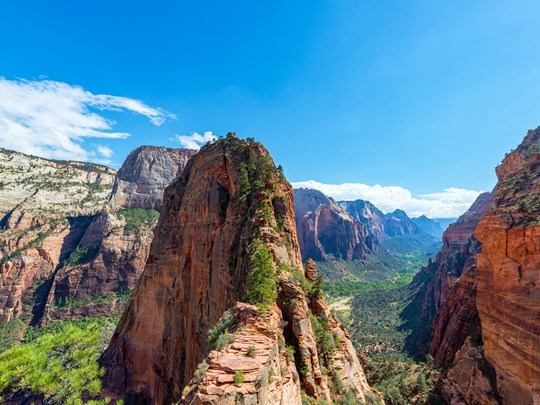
x: 423, y: 95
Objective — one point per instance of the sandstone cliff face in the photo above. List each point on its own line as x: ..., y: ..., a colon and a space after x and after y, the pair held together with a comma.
x: 488, y: 309
x: 325, y: 228
x: 45, y: 207
x: 116, y: 245
x: 442, y: 320
x: 508, y: 292
x: 68, y: 247
x: 229, y: 204
x: 146, y: 172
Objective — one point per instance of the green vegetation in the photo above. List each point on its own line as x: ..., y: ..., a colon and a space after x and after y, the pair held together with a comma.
x: 239, y: 377
x: 219, y: 336
x: 11, y: 333
x: 377, y: 327
x: 401, y: 380
x: 250, y: 351
x: 261, y: 281
x: 82, y: 256
x: 58, y: 363
x: 68, y: 302
x: 137, y: 219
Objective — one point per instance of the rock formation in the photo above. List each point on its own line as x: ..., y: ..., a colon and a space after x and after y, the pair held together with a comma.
x: 116, y: 245
x: 70, y: 249
x: 434, y: 282
x: 45, y: 207
x: 326, y: 229
x: 145, y: 173
x: 226, y: 240
x: 508, y: 292
x: 482, y: 290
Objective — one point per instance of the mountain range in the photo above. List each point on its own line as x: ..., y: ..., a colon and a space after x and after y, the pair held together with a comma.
x: 213, y: 264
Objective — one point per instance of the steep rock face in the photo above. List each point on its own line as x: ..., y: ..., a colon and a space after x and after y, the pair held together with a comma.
x: 508, y: 292
x: 146, y: 172
x: 487, y: 325
x: 325, y: 228
x: 369, y: 215
x: 229, y: 204
x: 45, y: 208
x: 114, y: 248
x: 434, y: 282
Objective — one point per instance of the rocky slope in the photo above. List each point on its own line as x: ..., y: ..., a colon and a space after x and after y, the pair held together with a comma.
x: 45, y: 207
x: 70, y: 248
x: 227, y: 240
x: 112, y: 253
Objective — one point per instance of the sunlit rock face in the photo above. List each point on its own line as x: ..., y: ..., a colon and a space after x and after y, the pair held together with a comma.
x: 118, y: 239
x: 486, y: 329
x: 230, y: 202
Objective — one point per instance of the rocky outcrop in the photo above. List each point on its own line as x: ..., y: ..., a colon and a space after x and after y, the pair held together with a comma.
x: 508, y: 292
x: 113, y: 251
x: 444, y: 331
x: 228, y: 217
x: 70, y: 248
x: 327, y: 230
x: 484, y: 290
x: 45, y: 208
x: 145, y: 173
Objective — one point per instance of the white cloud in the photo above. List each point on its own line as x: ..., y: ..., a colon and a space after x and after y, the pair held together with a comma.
x: 450, y: 203
x: 104, y: 151
x: 52, y: 119
x: 195, y: 140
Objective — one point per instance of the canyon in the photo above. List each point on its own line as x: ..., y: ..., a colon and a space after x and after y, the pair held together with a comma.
x: 221, y: 234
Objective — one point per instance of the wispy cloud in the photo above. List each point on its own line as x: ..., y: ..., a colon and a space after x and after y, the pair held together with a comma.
x: 195, y: 140
x: 52, y: 119
x: 450, y: 203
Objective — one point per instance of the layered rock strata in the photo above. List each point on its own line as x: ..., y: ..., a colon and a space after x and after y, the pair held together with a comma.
x: 113, y: 251
x: 228, y: 208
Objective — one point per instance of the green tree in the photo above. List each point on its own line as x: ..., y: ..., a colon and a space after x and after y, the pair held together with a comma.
x: 63, y: 366
x: 244, y: 185
x: 261, y: 282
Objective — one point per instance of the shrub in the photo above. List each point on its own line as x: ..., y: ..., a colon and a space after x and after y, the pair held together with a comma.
x: 251, y: 352
x: 221, y: 329
x: 239, y: 378
x: 82, y: 256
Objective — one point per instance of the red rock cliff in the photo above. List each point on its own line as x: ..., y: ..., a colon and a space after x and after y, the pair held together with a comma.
x: 114, y: 248
x: 229, y: 203
x: 508, y: 292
